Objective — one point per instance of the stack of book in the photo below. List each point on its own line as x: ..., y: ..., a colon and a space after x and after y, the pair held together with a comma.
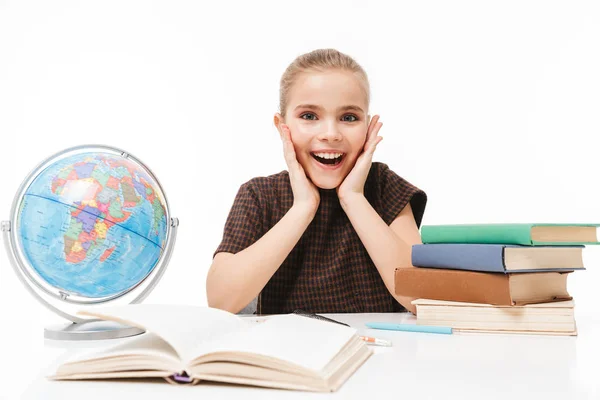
x: 496, y: 277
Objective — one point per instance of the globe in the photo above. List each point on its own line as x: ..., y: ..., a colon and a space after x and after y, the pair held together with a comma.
x: 89, y: 226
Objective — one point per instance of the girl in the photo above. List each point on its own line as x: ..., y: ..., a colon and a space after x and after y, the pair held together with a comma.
x: 326, y: 235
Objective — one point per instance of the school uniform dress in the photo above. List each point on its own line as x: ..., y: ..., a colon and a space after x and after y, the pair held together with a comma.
x: 329, y: 269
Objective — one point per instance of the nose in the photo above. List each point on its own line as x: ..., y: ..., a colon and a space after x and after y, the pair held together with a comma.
x: 331, y: 133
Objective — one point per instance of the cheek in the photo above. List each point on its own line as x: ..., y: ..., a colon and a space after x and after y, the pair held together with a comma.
x: 357, y: 137
x: 301, y: 136
x: 310, y: 127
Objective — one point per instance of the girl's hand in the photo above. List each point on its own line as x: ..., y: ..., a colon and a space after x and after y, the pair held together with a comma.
x: 354, y: 183
x: 305, y: 192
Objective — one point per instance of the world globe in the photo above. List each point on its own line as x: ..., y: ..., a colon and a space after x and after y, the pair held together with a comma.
x: 90, y: 225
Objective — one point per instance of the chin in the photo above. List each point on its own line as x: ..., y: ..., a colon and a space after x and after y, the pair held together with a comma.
x: 327, y: 187
x: 326, y: 183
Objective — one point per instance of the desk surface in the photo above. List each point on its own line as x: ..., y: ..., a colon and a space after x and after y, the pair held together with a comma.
x: 419, y: 365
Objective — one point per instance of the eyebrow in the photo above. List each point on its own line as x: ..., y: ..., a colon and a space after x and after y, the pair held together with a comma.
x: 343, y: 108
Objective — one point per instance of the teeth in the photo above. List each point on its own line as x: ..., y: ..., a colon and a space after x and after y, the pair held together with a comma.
x: 328, y: 155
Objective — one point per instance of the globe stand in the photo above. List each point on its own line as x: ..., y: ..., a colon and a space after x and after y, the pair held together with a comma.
x: 90, y: 330
x: 60, y: 302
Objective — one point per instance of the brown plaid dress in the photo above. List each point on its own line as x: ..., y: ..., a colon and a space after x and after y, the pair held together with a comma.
x: 329, y: 269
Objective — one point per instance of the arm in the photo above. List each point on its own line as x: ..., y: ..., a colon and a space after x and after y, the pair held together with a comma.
x: 235, y: 279
x: 389, y: 247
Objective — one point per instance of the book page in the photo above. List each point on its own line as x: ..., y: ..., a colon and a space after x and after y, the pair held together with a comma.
x: 183, y: 327
x: 557, y: 304
x: 302, y: 341
x: 156, y: 353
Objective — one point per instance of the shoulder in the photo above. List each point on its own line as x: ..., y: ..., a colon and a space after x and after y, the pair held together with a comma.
x: 394, y: 193
x: 270, y: 185
x: 271, y: 193
x: 383, y: 178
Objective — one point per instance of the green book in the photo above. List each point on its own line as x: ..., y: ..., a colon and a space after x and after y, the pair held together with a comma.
x: 523, y: 234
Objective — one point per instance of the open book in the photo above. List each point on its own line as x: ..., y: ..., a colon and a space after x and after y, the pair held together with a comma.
x: 191, y: 344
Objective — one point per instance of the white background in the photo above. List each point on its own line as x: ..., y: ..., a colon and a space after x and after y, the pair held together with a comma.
x: 490, y: 107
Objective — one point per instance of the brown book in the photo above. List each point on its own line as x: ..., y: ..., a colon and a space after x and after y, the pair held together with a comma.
x: 482, y: 287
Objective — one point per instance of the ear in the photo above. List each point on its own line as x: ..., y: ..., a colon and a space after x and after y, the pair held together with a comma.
x: 278, y: 120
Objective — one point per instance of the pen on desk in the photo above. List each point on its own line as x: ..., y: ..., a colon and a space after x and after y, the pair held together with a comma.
x: 410, y: 327
x: 376, y: 341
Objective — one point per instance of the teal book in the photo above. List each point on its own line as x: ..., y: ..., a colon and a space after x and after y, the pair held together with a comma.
x: 534, y: 234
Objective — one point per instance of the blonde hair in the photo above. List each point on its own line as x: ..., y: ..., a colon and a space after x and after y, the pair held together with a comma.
x: 319, y: 60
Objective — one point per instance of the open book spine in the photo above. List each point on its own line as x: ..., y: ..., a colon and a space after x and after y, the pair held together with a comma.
x: 181, y: 379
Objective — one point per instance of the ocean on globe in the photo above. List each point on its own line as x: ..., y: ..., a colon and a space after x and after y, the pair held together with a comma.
x: 92, y: 225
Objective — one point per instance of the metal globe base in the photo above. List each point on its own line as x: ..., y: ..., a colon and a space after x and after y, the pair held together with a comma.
x: 90, y: 330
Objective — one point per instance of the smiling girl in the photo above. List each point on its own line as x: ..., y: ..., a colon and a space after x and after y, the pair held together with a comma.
x: 327, y: 234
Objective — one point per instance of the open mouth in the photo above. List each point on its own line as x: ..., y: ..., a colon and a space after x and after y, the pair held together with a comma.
x: 328, y: 158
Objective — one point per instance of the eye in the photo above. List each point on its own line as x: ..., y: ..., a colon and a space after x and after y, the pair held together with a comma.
x: 308, y: 116
x: 349, y: 118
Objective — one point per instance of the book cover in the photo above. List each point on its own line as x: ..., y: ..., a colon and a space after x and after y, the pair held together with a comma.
x: 498, y: 258
x: 481, y: 287
x: 528, y: 234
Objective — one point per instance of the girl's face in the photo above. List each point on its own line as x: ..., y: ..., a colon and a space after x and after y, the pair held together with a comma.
x: 327, y: 117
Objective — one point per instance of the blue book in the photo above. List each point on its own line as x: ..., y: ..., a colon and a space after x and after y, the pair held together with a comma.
x: 498, y: 257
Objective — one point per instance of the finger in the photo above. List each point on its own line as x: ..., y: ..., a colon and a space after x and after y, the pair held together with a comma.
x: 373, y: 119
x: 371, y: 149
x: 284, y: 141
x: 373, y: 122
x: 288, y: 146
x: 367, y: 155
x: 377, y: 140
x: 374, y: 135
x: 371, y: 127
x: 289, y: 151
x: 373, y: 130
x: 287, y: 134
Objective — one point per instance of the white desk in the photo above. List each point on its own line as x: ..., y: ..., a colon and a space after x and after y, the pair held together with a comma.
x: 418, y: 366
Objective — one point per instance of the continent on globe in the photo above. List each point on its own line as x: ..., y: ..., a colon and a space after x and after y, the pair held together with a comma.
x: 96, y: 189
